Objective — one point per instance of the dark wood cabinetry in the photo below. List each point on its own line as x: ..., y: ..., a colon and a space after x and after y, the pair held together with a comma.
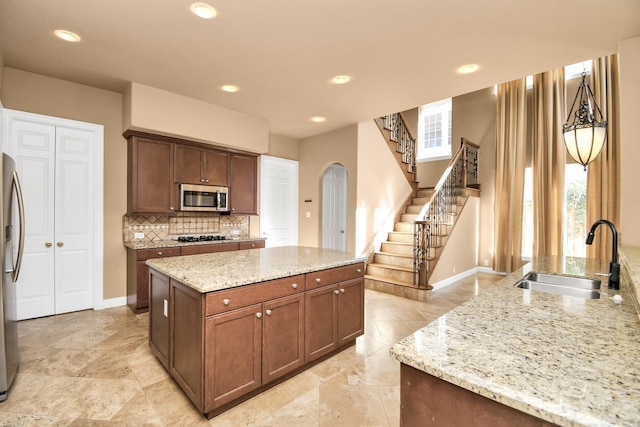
x: 254, y: 244
x: 149, y: 176
x: 199, y: 165
x: 159, y: 317
x: 138, y: 275
x: 227, y: 345
x: 208, y: 249
x: 244, y: 184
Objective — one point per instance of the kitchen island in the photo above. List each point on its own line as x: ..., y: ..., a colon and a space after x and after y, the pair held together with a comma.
x: 229, y: 325
x: 513, y: 356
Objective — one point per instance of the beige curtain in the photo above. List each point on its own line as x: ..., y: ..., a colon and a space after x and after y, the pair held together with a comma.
x: 548, y: 162
x: 603, y: 174
x: 511, y: 132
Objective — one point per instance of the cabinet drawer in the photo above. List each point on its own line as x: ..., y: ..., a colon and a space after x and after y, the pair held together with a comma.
x: 221, y: 301
x: 333, y: 275
x: 251, y: 245
x: 145, y: 254
x: 208, y: 249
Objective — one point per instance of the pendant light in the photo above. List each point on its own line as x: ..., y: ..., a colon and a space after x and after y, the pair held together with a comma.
x: 585, y: 136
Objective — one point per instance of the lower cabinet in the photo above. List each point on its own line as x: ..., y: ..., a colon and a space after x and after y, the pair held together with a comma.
x: 138, y: 275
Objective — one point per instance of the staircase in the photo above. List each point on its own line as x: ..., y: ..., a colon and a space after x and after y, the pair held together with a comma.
x: 407, y: 258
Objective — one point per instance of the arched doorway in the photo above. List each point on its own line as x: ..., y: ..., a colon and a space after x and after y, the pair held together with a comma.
x: 334, y: 207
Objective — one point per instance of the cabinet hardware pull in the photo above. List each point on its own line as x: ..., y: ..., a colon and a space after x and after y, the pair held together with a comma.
x: 337, y: 292
x: 342, y: 290
x: 294, y: 286
x: 258, y: 315
x: 48, y: 244
x: 226, y: 301
x: 318, y: 280
x: 268, y: 312
x: 171, y: 208
x: 159, y: 253
x: 359, y: 270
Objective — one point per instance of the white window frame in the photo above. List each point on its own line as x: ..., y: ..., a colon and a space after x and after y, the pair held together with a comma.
x: 443, y: 150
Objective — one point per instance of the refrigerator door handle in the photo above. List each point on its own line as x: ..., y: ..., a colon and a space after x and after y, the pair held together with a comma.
x: 15, y: 184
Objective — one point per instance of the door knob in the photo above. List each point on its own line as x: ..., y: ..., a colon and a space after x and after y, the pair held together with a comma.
x: 60, y: 244
x: 48, y: 244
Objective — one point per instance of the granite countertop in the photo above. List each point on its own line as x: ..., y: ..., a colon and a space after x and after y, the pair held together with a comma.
x: 172, y: 243
x: 224, y: 270
x: 567, y: 360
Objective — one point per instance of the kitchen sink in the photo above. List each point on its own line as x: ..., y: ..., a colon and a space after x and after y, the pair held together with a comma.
x: 564, y: 285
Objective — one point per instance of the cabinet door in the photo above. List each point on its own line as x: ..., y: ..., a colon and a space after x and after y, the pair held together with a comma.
x: 321, y: 329
x: 255, y: 244
x: 151, y: 188
x: 189, y: 164
x: 158, y: 321
x: 350, y: 310
x: 233, y: 354
x: 282, y: 336
x: 207, y: 249
x: 217, y: 165
x: 243, y: 184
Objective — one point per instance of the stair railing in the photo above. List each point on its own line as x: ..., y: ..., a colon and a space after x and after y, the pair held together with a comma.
x: 402, y: 136
x: 436, y: 214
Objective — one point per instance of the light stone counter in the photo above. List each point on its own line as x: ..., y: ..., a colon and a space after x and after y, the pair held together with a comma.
x: 223, y: 270
x: 566, y: 360
x: 173, y: 243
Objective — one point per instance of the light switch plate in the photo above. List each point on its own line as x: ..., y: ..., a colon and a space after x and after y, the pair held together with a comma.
x: 138, y: 235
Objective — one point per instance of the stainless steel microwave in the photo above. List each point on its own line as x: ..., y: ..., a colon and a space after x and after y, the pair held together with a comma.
x: 204, y: 198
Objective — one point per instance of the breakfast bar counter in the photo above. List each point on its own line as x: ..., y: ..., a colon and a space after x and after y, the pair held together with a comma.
x: 554, y: 359
x: 229, y: 325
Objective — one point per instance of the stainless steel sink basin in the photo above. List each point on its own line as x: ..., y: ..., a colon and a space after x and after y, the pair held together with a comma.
x: 563, y: 285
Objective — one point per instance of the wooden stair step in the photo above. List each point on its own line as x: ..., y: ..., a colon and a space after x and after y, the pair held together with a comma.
x: 391, y: 267
x: 390, y: 280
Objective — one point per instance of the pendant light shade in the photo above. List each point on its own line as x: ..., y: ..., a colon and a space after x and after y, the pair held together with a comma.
x: 586, y: 135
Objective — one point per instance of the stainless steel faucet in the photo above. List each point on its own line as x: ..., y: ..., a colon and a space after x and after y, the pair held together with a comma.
x: 614, y: 266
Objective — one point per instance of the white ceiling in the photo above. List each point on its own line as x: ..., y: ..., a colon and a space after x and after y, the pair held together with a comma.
x: 282, y: 53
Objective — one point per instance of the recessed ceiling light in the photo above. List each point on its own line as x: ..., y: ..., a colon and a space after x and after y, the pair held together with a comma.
x: 203, y: 10
x: 318, y: 119
x: 67, y: 36
x: 340, y: 80
x: 229, y: 88
x: 469, y: 68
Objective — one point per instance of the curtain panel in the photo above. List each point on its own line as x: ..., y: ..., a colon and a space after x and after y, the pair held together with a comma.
x: 509, y: 175
x: 548, y: 162
x: 603, y: 174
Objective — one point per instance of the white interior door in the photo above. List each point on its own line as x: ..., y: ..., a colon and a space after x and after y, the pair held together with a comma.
x: 33, y: 147
x: 334, y: 208
x: 57, y: 162
x: 278, y: 201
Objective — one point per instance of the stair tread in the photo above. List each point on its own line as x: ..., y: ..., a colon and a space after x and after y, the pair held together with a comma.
x: 398, y: 243
x: 390, y: 266
x: 394, y: 254
x: 389, y: 280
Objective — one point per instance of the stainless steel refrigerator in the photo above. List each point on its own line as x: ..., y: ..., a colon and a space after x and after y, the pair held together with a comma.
x: 12, y: 229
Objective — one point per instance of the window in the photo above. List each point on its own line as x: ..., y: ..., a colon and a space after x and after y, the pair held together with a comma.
x: 434, y: 131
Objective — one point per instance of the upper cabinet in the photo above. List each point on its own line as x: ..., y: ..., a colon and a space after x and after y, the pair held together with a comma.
x: 199, y: 165
x: 244, y: 185
x: 149, y: 176
x: 157, y: 164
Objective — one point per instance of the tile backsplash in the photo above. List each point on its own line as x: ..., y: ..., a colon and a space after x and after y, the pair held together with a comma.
x: 157, y: 227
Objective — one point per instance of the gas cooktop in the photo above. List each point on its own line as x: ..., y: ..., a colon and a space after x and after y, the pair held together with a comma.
x: 200, y: 238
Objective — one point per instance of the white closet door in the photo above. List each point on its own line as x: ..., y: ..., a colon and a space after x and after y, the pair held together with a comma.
x: 33, y: 147
x: 278, y: 201
x: 74, y: 237
x: 334, y: 208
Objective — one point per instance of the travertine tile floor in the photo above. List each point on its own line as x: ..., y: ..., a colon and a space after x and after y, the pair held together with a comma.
x: 94, y: 368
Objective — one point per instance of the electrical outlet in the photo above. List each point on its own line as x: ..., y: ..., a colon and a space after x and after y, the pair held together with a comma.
x: 138, y: 235
x: 165, y: 309
x: 486, y: 263
x: 235, y: 232
x: 454, y: 270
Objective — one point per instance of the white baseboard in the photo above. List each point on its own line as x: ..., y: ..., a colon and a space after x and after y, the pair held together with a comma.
x: 451, y: 280
x: 110, y: 303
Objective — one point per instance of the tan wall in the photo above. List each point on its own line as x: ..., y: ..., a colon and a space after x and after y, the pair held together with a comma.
x: 1, y: 78
x: 35, y: 93
x: 460, y: 253
x: 629, y: 141
x: 474, y: 118
x: 161, y: 112
x: 381, y: 188
x: 317, y: 153
x: 284, y: 147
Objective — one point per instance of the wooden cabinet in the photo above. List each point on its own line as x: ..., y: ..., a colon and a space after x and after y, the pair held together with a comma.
x: 149, y: 176
x: 334, y: 312
x: 254, y: 244
x: 159, y: 317
x: 244, y: 184
x: 138, y: 275
x: 207, y: 249
x: 199, y: 165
